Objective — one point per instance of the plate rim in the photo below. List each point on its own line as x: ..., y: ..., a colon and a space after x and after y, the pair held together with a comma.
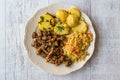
x: 25, y: 32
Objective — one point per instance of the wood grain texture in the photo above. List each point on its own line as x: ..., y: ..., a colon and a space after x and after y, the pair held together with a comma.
x: 2, y: 40
x: 105, y: 63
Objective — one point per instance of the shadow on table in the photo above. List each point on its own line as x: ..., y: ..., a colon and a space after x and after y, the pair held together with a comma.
x: 97, y: 42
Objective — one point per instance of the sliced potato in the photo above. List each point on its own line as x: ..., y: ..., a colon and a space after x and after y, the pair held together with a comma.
x: 72, y: 20
x: 61, y: 29
x: 82, y: 27
x: 62, y: 15
x: 46, y: 22
x: 75, y: 11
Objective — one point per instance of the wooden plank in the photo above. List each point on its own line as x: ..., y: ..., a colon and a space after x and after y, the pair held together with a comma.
x: 17, y: 65
x: 2, y: 39
x: 15, y: 69
x: 105, y: 15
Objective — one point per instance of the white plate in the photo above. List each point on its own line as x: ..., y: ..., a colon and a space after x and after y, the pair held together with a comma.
x: 38, y: 60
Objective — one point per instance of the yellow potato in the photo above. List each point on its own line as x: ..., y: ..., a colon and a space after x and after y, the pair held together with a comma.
x: 65, y: 25
x: 75, y: 11
x: 46, y: 22
x: 72, y: 20
x: 45, y: 26
x: 61, y: 29
x: 62, y: 15
x: 82, y: 27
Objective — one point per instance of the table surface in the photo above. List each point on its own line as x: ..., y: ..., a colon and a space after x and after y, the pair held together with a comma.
x: 104, y: 64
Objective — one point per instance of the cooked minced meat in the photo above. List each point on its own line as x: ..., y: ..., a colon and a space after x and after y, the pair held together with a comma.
x: 48, y: 45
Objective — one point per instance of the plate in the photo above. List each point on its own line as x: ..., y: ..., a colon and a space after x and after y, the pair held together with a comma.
x: 40, y: 62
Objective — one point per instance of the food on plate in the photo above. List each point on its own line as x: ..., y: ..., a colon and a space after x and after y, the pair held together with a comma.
x: 46, y: 22
x: 72, y: 20
x: 63, y: 37
x: 49, y: 45
x: 75, y: 11
x: 76, y: 45
x: 82, y: 27
x: 61, y: 29
x: 62, y: 15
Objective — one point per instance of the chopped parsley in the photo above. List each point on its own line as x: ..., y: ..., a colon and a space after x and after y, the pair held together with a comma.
x: 42, y: 18
x: 49, y: 28
x: 60, y: 22
x: 44, y: 28
x: 60, y: 28
x: 53, y: 26
x: 47, y: 20
x: 38, y: 22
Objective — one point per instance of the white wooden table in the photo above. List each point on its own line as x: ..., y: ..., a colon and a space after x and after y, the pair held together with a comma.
x: 105, y: 63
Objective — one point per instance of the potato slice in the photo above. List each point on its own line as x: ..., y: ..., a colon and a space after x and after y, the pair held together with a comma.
x: 72, y: 20
x: 82, y: 27
x: 62, y: 15
x: 75, y: 11
x: 61, y: 29
x: 46, y: 23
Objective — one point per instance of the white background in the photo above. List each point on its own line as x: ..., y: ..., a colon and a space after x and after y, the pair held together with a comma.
x: 105, y: 63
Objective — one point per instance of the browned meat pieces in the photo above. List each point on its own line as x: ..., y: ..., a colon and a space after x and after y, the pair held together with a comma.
x: 44, y: 38
x: 49, y: 45
x: 55, y: 43
x: 34, y: 35
x: 38, y: 51
x: 68, y: 63
x: 39, y: 33
x: 35, y: 44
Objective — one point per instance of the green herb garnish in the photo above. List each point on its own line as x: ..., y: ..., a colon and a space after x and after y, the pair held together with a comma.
x: 53, y: 26
x: 38, y: 22
x: 60, y: 22
x: 49, y: 28
x: 42, y: 18
x: 44, y: 28
x: 60, y: 28
x: 47, y: 20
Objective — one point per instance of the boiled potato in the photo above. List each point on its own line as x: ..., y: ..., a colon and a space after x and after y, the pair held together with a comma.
x: 65, y: 25
x: 75, y: 11
x: 61, y: 29
x: 82, y: 27
x: 46, y: 22
x: 72, y: 20
x: 62, y: 15
x: 49, y: 18
x: 45, y: 26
